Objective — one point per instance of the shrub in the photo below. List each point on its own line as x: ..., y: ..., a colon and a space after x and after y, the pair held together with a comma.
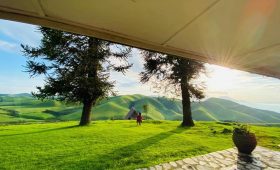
x: 226, y: 131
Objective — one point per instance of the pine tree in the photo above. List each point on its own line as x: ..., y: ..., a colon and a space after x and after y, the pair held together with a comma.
x: 174, y: 75
x: 76, y: 67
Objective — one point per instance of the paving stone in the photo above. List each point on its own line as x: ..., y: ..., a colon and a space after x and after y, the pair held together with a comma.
x: 226, y: 162
x: 217, y: 155
x: 221, y: 152
x: 233, y: 150
x: 189, y: 161
x: 252, y: 167
x: 173, y: 164
x: 274, y: 165
x: 258, y: 164
x: 195, y: 159
x: 207, y: 158
x: 158, y: 167
x: 276, y: 157
x: 180, y: 162
x: 234, y: 167
x: 214, y: 165
x: 166, y: 166
x: 269, y: 168
x: 202, y: 163
x: 203, y: 167
x: 227, y: 151
x: 188, y: 167
x: 267, y: 154
x: 152, y: 168
x: 227, y: 156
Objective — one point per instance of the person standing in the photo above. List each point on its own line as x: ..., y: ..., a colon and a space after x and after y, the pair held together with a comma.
x: 139, y: 119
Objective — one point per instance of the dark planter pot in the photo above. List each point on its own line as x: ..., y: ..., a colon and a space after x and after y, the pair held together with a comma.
x: 245, y: 142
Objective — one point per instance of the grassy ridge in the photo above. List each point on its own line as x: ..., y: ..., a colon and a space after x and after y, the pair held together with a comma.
x: 114, y: 144
x: 20, y: 108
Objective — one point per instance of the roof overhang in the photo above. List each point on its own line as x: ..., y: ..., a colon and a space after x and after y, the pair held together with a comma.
x: 240, y: 34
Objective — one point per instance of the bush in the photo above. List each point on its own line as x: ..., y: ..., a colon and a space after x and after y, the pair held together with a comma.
x: 226, y: 131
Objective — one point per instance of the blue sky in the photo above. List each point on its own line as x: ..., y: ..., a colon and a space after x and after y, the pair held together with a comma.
x: 221, y: 82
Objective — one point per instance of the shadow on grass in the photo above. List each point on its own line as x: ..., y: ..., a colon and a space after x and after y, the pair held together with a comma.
x: 41, y: 131
x: 124, y: 156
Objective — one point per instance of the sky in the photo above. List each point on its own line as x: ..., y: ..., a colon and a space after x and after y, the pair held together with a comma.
x: 247, y: 88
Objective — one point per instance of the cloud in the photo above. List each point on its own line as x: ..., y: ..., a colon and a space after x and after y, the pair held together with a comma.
x: 137, y: 60
x: 130, y: 82
x: 20, y: 33
x: 8, y: 46
x: 216, y: 93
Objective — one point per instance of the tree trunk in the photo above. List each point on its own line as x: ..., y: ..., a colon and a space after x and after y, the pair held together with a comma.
x: 90, y: 73
x: 186, y: 103
x: 86, y: 114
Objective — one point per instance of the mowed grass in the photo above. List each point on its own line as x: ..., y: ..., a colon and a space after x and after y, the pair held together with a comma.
x: 114, y: 144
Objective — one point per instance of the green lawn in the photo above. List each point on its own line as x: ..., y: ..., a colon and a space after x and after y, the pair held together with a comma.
x: 114, y: 144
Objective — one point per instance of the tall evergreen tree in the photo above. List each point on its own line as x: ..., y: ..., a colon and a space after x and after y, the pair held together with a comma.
x: 174, y: 75
x: 76, y: 67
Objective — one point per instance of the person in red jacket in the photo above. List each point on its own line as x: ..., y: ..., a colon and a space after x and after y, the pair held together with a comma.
x: 139, y: 119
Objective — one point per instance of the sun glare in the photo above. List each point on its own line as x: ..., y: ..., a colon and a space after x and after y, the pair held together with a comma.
x: 220, y: 78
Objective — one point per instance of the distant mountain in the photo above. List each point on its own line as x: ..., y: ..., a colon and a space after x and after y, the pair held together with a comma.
x: 17, y: 95
x: 262, y: 106
x: 23, y: 107
x: 224, y: 110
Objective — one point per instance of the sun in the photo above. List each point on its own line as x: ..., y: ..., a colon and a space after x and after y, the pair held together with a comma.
x: 220, y: 78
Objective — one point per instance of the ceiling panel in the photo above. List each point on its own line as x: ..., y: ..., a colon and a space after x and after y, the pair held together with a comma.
x: 134, y: 18
x: 23, y: 5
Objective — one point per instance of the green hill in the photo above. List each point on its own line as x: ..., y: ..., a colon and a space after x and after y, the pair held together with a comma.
x: 23, y: 107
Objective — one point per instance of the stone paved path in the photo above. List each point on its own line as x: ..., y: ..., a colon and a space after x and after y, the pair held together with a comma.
x: 261, y: 159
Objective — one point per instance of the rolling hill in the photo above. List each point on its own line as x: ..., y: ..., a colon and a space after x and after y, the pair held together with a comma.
x: 24, y: 108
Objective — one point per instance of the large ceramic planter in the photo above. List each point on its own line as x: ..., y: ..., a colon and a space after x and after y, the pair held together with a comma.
x: 245, y: 142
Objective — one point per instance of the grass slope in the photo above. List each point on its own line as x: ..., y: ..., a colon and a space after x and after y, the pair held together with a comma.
x: 22, y: 107
x: 114, y: 144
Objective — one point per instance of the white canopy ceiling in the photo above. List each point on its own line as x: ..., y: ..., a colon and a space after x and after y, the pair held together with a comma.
x: 241, y: 34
